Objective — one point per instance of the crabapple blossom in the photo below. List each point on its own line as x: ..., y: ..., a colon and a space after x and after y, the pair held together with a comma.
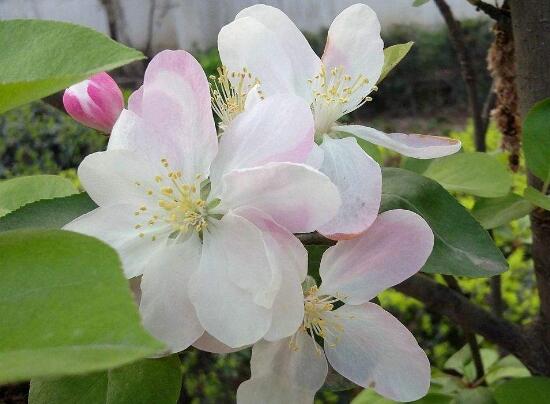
x: 362, y: 342
x: 263, y: 49
x: 96, y: 102
x: 206, y: 225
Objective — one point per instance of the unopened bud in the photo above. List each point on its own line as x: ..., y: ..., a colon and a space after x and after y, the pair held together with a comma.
x: 96, y: 102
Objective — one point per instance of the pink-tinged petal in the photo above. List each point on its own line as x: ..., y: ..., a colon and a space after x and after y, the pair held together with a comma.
x: 287, y: 255
x: 208, y: 343
x: 135, y: 100
x: 375, y: 350
x: 359, y: 180
x: 393, y: 249
x: 282, y: 375
x: 165, y: 307
x: 247, y: 43
x: 176, y: 103
x: 95, y: 102
x: 305, y: 63
x: 112, y: 177
x: 131, y: 132
x: 354, y: 43
x: 233, y: 290
x: 296, y: 196
x: 115, y: 226
x: 417, y: 146
x: 279, y: 128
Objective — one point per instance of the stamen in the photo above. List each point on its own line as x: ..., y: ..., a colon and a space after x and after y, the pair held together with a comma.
x: 229, y: 90
x: 332, y: 94
x: 181, y: 204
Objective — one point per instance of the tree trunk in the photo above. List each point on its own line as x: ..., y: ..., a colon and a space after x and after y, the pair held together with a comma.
x: 531, y: 28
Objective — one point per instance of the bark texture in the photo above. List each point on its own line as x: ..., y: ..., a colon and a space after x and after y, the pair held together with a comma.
x: 531, y: 29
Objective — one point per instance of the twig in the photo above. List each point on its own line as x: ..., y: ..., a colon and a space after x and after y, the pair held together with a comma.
x: 495, y: 13
x: 467, y: 70
x: 469, y: 336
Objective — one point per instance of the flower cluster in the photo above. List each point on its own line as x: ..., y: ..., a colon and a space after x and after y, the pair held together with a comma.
x: 205, y: 222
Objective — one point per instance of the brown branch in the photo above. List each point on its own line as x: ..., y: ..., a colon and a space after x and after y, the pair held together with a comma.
x: 531, y: 30
x: 495, y: 13
x: 469, y: 336
x: 467, y: 71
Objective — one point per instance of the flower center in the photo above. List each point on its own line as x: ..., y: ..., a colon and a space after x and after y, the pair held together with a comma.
x: 229, y: 91
x: 335, y: 93
x: 179, y: 204
x: 316, y: 322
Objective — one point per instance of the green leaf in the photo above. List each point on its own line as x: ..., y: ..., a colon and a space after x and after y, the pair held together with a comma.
x: 418, y: 3
x: 496, y: 212
x: 473, y: 173
x: 20, y: 191
x: 66, y: 307
x: 507, y: 367
x: 392, y: 56
x: 526, y: 390
x: 148, y: 381
x: 369, y: 396
x: 38, y: 58
x: 48, y: 214
x: 536, y: 140
x: 537, y: 198
x: 462, y: 247
x: 415, y: 165
x: 372, y: 397
x: 479, y: 395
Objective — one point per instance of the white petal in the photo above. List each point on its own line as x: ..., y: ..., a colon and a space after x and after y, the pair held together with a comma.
x: 133, y: 133
x: 288, y: 256
x: 359, y: 180
x: 354, y: 43
x: 176, y: 103
x: 234, y: 288
x: 417, y: 146
x: 247, y: 43
x: 316, y: 157
x: 281, y: 375
x: 280, y: 128
x: 111, y: 177
x: 375, y: 350
x: 208, y: 343
x: 296, y: 196
x: 393, y: 249
x: 115, y: 226
x: 305, y: 63
x: 165, y: 307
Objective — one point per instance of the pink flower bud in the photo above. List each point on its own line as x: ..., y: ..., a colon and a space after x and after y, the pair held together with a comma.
x: 96, y: 102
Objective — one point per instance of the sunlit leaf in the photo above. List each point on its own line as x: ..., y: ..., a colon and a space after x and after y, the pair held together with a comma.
x: 48, y: 214
x: 537, y: 198
x: 38, y: 58
x: 495, y: 212
x: 17, y: 192
x: 392, y: 56
x: 476, y: 174
x: 66, y: 307
x: 148, y: 381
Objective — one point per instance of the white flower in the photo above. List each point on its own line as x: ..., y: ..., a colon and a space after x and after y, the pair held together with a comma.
x: 362, y: 342
x: 274, y: 53
x: 208, y: 226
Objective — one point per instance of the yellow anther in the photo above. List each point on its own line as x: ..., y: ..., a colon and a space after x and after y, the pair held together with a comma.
x: 167, y: 191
